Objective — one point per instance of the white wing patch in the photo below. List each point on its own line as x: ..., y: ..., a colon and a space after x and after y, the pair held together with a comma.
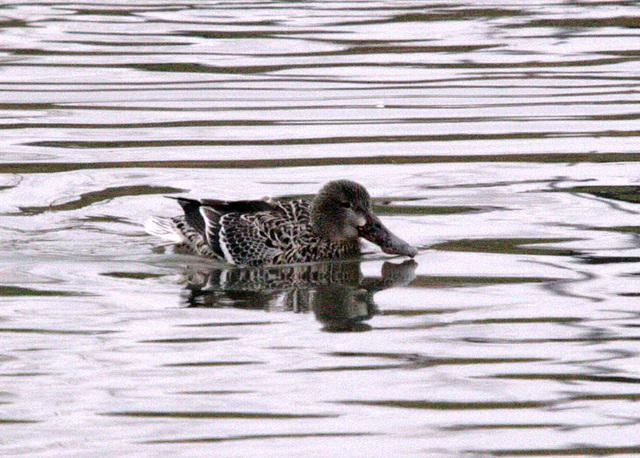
x: 209, y: 215
x: 223, y: 244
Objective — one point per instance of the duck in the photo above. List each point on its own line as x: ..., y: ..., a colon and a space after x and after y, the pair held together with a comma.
x: 271, y: 232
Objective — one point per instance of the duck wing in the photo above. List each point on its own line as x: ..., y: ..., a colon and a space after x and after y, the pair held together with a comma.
x: 271, y: 236
x: 238, y: 206
x: 252, y: 239
x: 205, y: 217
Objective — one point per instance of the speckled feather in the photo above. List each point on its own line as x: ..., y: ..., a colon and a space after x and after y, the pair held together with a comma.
x: 281, y: 234
x: 266, y: 232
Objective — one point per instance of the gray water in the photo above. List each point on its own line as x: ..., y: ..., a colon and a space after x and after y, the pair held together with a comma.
x: 501, y: 139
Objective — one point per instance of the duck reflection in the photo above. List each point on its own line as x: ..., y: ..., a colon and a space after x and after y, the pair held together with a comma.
x: 337, y: 292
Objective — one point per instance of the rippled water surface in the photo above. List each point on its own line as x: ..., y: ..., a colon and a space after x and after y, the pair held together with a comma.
x: 500, y: 138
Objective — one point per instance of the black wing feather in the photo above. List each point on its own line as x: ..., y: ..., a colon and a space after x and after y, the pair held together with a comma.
x: 238, y: 206
x: 192, y: 214
x: 195, y: 212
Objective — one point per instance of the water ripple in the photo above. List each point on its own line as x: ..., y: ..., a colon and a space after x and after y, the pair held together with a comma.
x: 501, y: 139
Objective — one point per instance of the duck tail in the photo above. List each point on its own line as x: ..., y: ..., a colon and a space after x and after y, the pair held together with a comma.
x: 165, y: 228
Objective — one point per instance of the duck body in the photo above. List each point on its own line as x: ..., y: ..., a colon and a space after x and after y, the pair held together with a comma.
x: 267, y: 232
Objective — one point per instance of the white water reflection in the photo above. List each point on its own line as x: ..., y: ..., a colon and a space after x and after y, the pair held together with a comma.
x: 499, y: 138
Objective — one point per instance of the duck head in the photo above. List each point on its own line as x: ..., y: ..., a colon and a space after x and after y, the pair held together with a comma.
x: 341, y: 211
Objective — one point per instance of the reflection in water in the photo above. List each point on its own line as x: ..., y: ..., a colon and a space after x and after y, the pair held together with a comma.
x: 338, y: 294
x: 504, y: 135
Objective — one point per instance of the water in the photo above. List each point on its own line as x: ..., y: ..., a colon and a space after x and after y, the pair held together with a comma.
x: 501, y: 139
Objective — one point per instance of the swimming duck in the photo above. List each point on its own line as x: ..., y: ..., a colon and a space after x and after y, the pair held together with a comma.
x: 269, y: 232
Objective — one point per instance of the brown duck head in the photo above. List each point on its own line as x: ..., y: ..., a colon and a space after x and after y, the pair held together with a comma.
x: 341, y: 211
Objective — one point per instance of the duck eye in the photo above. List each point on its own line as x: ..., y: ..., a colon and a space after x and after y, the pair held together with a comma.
x: 345, y: 204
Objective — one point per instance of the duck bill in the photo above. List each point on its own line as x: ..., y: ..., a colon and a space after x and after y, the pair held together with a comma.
x: 375, y: 232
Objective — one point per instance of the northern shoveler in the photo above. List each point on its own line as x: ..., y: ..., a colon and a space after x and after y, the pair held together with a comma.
x: 268, y: 232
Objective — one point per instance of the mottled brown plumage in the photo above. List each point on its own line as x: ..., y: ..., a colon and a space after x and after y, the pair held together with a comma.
x: 255, y: 233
